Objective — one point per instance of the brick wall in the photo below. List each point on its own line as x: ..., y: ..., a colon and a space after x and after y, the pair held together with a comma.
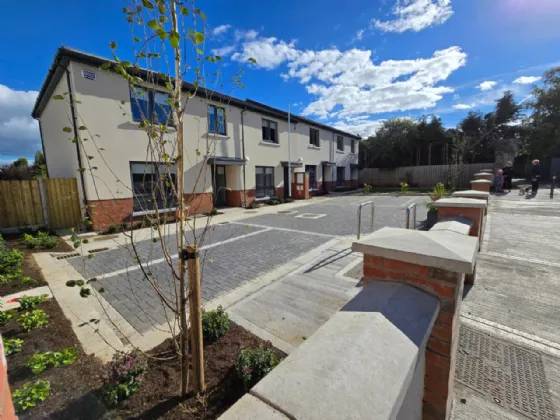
x: 481, y: 186
x: 443, y: 342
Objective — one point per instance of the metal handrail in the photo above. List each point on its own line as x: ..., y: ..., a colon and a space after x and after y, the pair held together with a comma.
x: 407, y: 220
x: 360, y: 216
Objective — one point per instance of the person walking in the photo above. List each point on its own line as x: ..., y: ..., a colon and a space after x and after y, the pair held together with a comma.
x: 535, y: 176
x: 508, y: 175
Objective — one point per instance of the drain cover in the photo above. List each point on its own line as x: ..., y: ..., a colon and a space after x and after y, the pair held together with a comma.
x: 510, y: 376
x: 311, y: 216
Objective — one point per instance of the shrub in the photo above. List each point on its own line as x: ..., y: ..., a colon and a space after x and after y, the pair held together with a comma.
x: 255, y: 364
x: 33, y: 319
x: 30, y: 394
x: 39, y: 362
x: 437, y: 192
x: 288, y: 200
x: 112, y: 229
x: 29, y: 302
x: 368, y: 188
x: 213, y: 212
x: 9, y: 278
x: 273, y: 202
x: 11, y: 345
x: 10, y: 260
x: 215, y: 324
x: 404, y: 187
x: 43, y: 240
x: 123, y: 376
x: 253, y: 205
x: 27, y: 281
x: 5, y: 317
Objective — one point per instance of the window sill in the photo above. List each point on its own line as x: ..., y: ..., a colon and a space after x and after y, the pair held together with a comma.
x: 341, y: 152
x: 218, y: 136
x: 269, y: 143
x: 312, y: 146
x: 150, y: 212
x: 262, y: 199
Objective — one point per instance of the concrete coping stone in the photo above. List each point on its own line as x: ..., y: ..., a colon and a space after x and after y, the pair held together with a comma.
x: 461, y: 202
x: 453, y: 224
x: 488, y: 171
x: 471, y: 193
x: 438, y: 249
x: 374, y: 343
x: 483, y: 173
x: 481, y: 181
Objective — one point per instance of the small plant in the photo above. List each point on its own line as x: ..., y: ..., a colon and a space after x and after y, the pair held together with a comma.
x: 85, y: 241
x: 30, y: 394
x: 404, y: 187
x: 27, y: 281
x: 213, y: 212
x: 39, y: 362
x: 33, y: 319
x: 368, y: 188
x: 288, y: 200
x: 5, y: 317
x: 215, y: 324
x: 273, y: 202
x: 253, y: 205
x: 10, y: 260
x: 29, y: 302
x: 255, y: 364
x: 437, y: 193
x: 123, y: 376
x: 42, y: 240
x: 9, y: 278
x: 112, y: 229
x: 11, y: 345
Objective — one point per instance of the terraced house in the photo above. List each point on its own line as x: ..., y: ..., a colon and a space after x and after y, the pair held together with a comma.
x: 236, y: 151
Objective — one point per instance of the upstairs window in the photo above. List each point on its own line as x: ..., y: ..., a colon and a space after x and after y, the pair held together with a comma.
x: 145, y: 103
x: 269, y: 131
x: 353, y: 146
x: 314, y: 137
x: 339, y: 143
x: 216, y: 120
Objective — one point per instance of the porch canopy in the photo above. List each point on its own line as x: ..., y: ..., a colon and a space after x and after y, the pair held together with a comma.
x: 217, y: 160
x: 292, y: 164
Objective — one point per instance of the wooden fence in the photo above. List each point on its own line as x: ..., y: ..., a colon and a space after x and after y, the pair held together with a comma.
x: 423, y: 176
x: 53, y: 203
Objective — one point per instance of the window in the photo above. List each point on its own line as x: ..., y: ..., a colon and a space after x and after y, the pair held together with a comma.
x: 216, y: 120
x: 269, y: 131
x: 314, y: 137
x: 353, y: 146
x: 153, y: 181
x: 144, y: 103
x: 265, y: 181
x: 310, y: 169
x: 340, y: 176
x: 339, y: 143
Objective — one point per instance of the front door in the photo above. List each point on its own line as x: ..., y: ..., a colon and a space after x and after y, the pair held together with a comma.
x: 286, y: 182
x: 220, y: 186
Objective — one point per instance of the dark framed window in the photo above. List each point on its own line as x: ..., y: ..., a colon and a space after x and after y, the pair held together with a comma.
x: 339, y: 143
x: 340, y: 171
x: 352, y: 146
x: 265, y: 181
x: 311, y: 170
x: 314, y: 137
x: 216, y: 120
x: 269, y: 131
x: 152, y: 185
x: 145, y: 103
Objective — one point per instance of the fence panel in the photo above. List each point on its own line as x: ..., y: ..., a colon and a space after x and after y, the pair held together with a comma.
x: 20, y: 204
x: 63, y: 202
x: 422, y: 176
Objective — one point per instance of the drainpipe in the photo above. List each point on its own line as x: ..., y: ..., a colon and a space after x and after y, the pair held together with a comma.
x: 244, y: 159
x: 73, y: 111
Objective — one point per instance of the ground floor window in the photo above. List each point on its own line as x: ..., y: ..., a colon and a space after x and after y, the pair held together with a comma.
x: 340, y: 176
x: 265, y: 181
x: 152, y: 186
x: 311, y: 170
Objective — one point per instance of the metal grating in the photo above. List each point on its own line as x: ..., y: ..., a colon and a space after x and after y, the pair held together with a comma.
x: 63, y: 257
x: 510, y: 376
x: 91, y: 251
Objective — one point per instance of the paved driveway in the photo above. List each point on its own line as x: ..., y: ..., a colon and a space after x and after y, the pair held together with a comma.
x: 231, y: 253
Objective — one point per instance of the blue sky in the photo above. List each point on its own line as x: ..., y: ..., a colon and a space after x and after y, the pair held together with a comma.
x: 351, y: 64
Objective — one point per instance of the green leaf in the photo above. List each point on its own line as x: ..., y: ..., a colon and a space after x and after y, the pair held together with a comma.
x: 126, y: 63
x: 58, y: 97
x: 198, y: 152
x: 113, y: 45
x: 211, y: 59
x: 198, y: 37
x: 67, y: 129
x: 71, y: 283
x: 82, y: 170
x: 161, y: 33
x: 161, y: 8
x: 184, y: 11
x: 82, y: 128
x: 174, y: 39
x: 199, y: 51
x: 252, y: 60
x: 77, y: 244
x: 163, y: 19
x: 153, y: 24
x: 105, y: 66
x: 136, y: 39
x: 148, y: 4
x: 168, y: 86
x: 218, y: 57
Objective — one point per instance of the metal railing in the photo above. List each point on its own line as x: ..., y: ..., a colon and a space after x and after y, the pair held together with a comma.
x: 360, y: 216
x: 553, y: 185
x: 407, y: 219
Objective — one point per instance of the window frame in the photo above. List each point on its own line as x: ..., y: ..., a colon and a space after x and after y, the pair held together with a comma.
x: 216, y: 119
x: 268, y: 122
x: 160, y: 199
x: 352, y: 146
x: 269, y: 190
x: 340, y: 147
x: 317, y: 142
x: 312, y: 182
x: 151, y: 102
x: 340, y: 180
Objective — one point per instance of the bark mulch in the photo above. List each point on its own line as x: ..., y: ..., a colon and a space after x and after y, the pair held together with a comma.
x: 29, y: 266
x: 157, y: 398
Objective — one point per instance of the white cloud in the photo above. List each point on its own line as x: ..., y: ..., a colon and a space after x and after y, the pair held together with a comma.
x: 221, y: 29
x: 359, y: 35
x: 463, y: 106
x: 362, y: 125
x: 269, y: 52
x: 416, y: 15
x: 487, y: 85
x: 19, y: 133
x: 526, y: 80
